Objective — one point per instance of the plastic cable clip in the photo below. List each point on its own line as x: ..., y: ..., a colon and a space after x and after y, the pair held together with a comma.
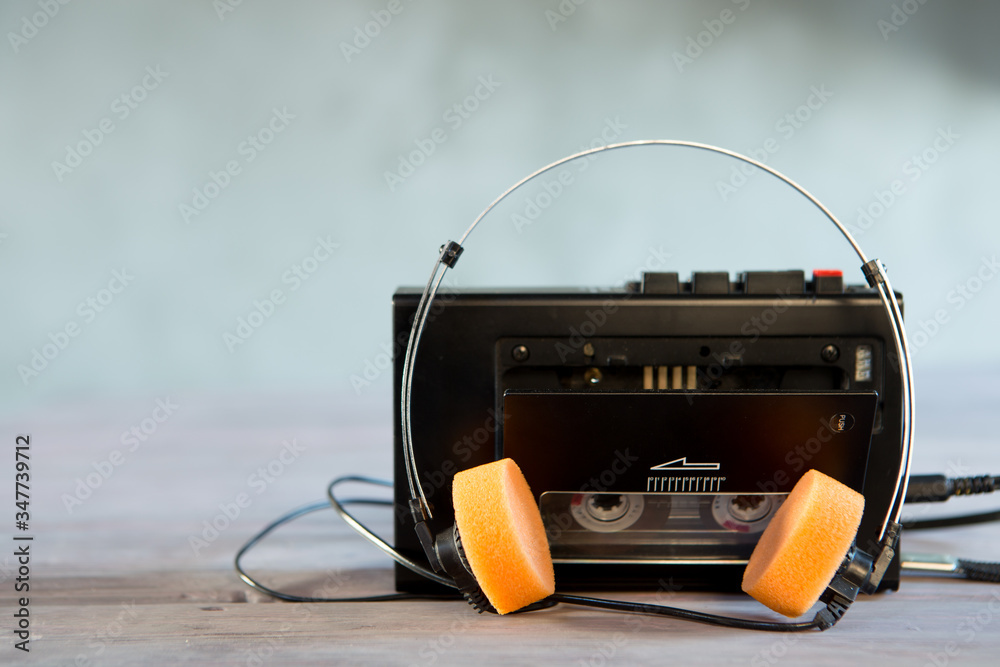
x: 885, y: 556
x: 874, y: 272
x: 424, y: 533
x: 450, y: 253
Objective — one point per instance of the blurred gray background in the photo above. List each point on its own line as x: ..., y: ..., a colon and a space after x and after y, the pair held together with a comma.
x: 119, y: 120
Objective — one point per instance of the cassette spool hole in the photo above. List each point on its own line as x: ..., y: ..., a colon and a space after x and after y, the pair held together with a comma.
x: 607, y: 506
x: 607, y: 512
x: 745, y: 513
x: 749, y: 508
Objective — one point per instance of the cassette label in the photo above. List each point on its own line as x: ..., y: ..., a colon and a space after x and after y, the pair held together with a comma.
x: 657, y: 527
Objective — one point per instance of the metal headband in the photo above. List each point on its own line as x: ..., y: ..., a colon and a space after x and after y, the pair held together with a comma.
x: 873, y: 270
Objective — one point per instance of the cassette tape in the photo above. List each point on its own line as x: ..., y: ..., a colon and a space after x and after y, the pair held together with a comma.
x: 659, y: 478
x: 655, y: 527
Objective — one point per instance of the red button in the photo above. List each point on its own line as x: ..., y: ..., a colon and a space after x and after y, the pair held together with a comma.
x: 828, y: 281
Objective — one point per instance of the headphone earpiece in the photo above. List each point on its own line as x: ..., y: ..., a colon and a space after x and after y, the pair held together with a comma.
x: 500, y: 536
x: 805, y: 543
x: 451, y: 555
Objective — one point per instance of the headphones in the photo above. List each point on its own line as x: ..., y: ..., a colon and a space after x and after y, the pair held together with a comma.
x: 496, y: 553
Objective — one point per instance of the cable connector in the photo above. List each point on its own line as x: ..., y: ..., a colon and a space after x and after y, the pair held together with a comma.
x: 938, y: 488
x: 979, y: 571
x: 928, y: 489
x: 970, y: 486
x: 450, y: 252
x: 942, y: 564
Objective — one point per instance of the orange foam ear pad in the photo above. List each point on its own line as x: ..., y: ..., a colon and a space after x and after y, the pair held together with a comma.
x: 502, y: 535
x: 805, y: 543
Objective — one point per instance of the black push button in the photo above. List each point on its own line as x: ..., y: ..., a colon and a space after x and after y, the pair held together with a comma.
x: 710, y: 282
x: 828, y: 281
x: 770, y: 283
x: 660, y: 283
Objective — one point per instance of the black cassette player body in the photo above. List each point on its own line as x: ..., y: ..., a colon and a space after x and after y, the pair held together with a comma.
x: 659, y: 425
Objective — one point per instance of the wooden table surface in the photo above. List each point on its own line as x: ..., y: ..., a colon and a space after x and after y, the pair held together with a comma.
x: 119, y: 576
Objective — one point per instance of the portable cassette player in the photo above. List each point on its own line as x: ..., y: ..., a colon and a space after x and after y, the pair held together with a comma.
x: 751, y: 434
x: 659, y: 425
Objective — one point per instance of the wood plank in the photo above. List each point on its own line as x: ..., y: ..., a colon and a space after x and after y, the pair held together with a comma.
x: 210, y: 618
x: 116, y: 580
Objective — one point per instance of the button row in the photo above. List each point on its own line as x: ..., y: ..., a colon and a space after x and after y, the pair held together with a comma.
x: 767, y: 283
